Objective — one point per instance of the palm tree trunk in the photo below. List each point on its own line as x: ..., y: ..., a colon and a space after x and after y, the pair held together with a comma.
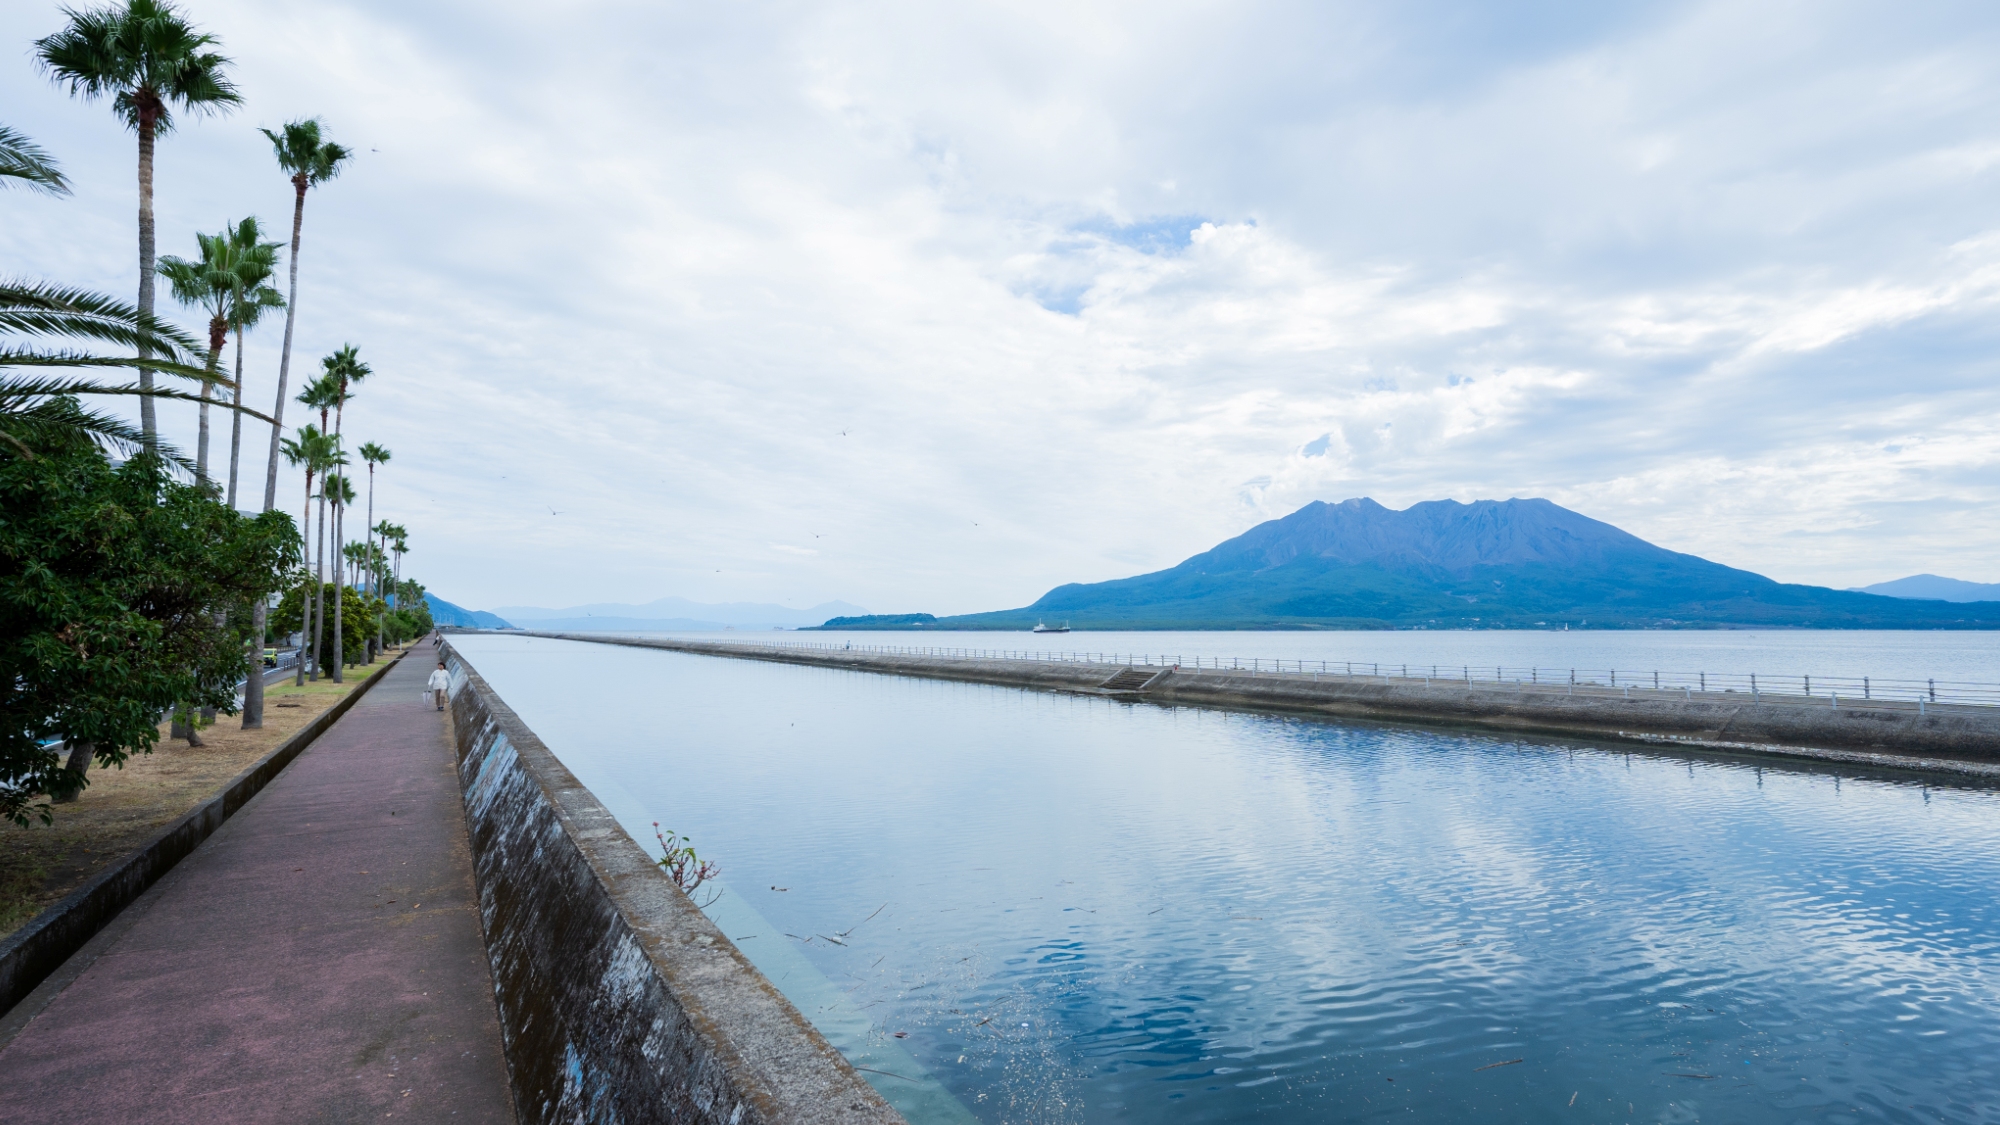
x: 201, y: 442
x: 375, y: 571
x: 236, y: 429
x: 340, y: 511
x: 305, y: 603
x: 319, y: 585
x: 339, y: 661
x: 285, y: 357
x: 253, y: 688
x: 253, y: 685
x: 148, y: 425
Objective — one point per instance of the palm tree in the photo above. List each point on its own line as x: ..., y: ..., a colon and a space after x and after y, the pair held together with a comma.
x: 148, y: 60
x: 313, y: 450
x: 309, y: 161
x: 321, y: 394
x: 399, y: 544
x: 22, y: 159
x: 205, y: 284
x: 339, y: 490
x: 345, y: 368
x: 251, y: 299
x: 374, y: 455
x: 390, y: 533
x: 336, y: 458
x: 247, y: 310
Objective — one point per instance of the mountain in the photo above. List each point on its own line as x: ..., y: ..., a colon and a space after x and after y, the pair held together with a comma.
x: 673, y: 615
x: 445, y: 613
x: 1442, y: 564
x: 1937, y: 589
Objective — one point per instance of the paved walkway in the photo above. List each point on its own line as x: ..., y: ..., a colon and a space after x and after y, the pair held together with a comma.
x: 318, y: 959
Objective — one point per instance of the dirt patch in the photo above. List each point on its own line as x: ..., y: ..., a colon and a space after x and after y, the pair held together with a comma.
x: 123, y: 808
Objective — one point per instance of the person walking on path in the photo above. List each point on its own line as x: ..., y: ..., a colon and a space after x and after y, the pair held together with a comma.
x: 440, y: 682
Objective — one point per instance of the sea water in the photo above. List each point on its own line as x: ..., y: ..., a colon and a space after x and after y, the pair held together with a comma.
x: 1038, y: 907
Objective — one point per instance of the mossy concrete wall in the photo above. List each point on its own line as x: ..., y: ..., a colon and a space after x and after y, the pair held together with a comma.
x: 619, y: 1000
x: 1931, y: 737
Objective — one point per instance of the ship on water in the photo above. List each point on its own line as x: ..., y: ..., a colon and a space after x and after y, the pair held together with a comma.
x: 1043, y: 628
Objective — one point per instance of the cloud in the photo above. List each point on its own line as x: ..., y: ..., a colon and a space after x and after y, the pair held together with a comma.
x: 999, y: 297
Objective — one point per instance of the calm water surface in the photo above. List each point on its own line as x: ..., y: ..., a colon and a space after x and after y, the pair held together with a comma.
x: 1075, y: 910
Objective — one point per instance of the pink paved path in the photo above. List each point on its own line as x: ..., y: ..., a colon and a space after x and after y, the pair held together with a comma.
x: 318, y: 959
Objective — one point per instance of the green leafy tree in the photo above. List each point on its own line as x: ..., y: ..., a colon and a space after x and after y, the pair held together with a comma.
x: 299, y: 597
x: 149, y: 61
x: 122, y: 594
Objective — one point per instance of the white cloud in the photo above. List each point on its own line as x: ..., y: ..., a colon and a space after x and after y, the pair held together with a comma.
x: 992, y: 298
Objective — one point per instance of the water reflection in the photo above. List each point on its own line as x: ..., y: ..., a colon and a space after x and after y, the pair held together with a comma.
x: 1092, y: 911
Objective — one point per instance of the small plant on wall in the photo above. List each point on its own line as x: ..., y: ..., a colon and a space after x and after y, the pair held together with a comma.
x: 687, y: 870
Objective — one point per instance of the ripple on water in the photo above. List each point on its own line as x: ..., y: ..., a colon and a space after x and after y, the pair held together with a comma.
x: 1101, y: 912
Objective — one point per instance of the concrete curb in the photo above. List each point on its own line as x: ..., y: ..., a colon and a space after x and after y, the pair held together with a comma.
x: 619, y: 1000
x: 40, y: 947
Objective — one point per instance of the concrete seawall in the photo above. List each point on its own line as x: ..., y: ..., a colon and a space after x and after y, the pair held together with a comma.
x: 619, y: 1000
x: 1952, y: 739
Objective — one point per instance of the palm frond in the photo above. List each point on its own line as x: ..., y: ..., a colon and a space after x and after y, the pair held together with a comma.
x: 40, y: 308
x: 302, y: 152
x: 54, y: 421
x: 24, y: 160
x: 143, y: 54
x: 29, y: 357
x: 254, y: 303
x: 18, y: 390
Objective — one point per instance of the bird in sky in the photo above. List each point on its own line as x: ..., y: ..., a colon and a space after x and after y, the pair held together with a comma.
x: 553, y: 512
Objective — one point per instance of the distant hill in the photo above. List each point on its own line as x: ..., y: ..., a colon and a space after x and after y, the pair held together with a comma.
x: 445, y: 613
x: 673, y: 615
x: 882, y: 621
x: 1442, y: 564
x: 1937, y: 589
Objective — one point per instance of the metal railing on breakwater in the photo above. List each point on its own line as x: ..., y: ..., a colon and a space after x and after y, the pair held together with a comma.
x: 1797, y: 690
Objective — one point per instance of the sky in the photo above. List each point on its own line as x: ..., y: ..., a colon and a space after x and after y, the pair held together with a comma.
x: 931, y: 308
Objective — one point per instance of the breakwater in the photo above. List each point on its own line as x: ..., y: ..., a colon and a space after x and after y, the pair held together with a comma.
x: 1907, y: 734
x: 619, y: 1000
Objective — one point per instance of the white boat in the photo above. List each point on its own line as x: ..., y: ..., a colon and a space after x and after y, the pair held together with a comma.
x: 1041, y: 628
